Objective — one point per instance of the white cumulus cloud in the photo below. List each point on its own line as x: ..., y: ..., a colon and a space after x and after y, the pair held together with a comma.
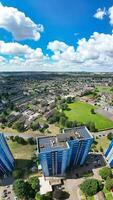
x: 110, y: 13
x: 20, y: 26
x: 100, y: 13
x: 93, y: 54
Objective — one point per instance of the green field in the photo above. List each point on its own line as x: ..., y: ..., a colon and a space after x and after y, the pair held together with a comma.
x: 104, y: 89
x: 81, y: 112
x: 22, y: 153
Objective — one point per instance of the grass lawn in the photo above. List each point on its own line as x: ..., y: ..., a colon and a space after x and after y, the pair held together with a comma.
x: 54, y: 129
x: 102, y: 142
x: 105, y: 89
x: 108, y: 194
x: 81, y: 112
x: 90, y: 198
x: 21, y: 153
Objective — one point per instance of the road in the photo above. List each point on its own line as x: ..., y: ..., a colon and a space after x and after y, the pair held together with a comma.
x: 23, y: 135
x: 102, y: 133
x: 26, y: 136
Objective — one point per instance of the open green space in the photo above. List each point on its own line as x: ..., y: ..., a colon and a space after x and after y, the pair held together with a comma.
x: 104, y: 89
x: 81, y: 112
x: 22, y: 153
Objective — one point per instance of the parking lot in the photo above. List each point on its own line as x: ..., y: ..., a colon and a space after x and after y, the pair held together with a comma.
x: 6, y: 193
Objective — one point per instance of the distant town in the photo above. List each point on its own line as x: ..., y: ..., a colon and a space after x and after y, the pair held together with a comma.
x: 56, y: 136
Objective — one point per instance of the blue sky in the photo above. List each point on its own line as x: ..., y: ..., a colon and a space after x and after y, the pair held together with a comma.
x: 56, y: 35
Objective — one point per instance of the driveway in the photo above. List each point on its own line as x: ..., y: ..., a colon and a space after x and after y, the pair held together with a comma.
x: 72, y: 187
x: 102, y: 133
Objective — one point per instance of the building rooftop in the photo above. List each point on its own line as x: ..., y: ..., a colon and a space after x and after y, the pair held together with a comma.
x: 50, y: 143
x: 77, y: 133
x: 61, y: 141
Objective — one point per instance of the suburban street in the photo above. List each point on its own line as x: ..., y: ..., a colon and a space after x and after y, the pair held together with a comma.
x: 26, y: 136
x: 102, y: 133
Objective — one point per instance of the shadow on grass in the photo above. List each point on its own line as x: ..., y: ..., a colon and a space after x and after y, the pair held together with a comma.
x: 23, y: 163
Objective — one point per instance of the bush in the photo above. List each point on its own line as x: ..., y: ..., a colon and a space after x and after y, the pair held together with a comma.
x: 90, y: 187
x: 34, y: 182
x: 105, y: 173
x: 18, y: 173
x: 20, y: 140
x: 12, y: 138
x: 19, y: 126
x: 110, y: 136
x: 109, y: 184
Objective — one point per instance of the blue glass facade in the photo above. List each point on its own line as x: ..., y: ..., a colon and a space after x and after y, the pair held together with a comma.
x: 6, y: 158
x: 109, y: 154
x: 66, y: 150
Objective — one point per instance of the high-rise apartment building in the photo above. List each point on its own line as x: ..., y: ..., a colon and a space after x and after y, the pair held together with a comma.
x: 6, y: 157
x: 109, y: 154
x: 57, y: 153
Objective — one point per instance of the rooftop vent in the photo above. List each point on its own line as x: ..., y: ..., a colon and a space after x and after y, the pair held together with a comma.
x: 41, y: 145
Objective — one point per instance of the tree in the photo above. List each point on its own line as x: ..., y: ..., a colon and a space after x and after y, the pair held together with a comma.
x: 19, y: 125
x: 64, y: 106
x: 70, y: 99
x: 63, y: 121
x: 34, y: 182
x: 91, y: 126
x: 92, y: 111
x: 110, y: 136
x: 105, y: 173
x: 35, y: 126
x: 90, y: 187
x: 109, y: 184
x: 22, y: 189
x: 31, y: 141
x: 69, y: 124
x: 20, y: 140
